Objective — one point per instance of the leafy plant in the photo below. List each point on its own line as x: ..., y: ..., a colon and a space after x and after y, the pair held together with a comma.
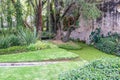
x: 14, y: 49
x: 9, y: 40
x: 117, y: 50
x: 41, y: 45
x: 95, y: 35
x: 106, y: 45
x: 14, y: 40
x: 103, y: 69
x: 37, y: 46
x: 26, y: 36
x: 4, y: 42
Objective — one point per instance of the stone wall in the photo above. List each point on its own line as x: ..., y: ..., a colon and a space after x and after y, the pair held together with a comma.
x: 108, y: 22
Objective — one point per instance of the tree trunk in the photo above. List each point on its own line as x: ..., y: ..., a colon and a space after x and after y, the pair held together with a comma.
x: 67, y: 36
x: 39, y: 19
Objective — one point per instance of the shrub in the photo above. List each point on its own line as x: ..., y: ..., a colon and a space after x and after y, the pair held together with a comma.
x: 26, y: 36
x: 95, y: 35
x: 14, y: 49
x: 32, y: 47
x: 117, y: 50
x: 69, y: 46
x: 14, y: 40
x: 37, y: 46
x: 106, y: 45
x: 9, y: 40
x: 4, y: 42
x: 104, y: 69
x: 41, y: 45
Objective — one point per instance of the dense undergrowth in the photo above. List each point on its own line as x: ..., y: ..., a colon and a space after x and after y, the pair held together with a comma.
x: 103, y: 69
x: 109, y: 44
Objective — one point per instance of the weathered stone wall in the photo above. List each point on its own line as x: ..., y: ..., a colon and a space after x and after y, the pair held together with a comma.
x: 108, y: 22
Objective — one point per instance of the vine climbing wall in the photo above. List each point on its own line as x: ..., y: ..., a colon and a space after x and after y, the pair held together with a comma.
x: 109, y: 21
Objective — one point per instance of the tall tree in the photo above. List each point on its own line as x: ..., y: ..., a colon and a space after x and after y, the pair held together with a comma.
x: 37, y: 7
x: 71, y: 10
x: 19, y: 14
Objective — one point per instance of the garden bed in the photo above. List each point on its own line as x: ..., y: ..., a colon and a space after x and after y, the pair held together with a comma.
x: 40, y: 55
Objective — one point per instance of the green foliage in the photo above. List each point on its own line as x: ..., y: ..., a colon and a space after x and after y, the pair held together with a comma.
x: 14, y: 49
x: 27, y: 36
x: 89, y: 10
x: 69, y: 46
x: 117, y: 50
x: 14, y: 40
x: 104, y: 69
x: 9, y: 40
x: 19, y: 14
x: 32, y: 47
x: 106, y: 45
x: 37, y: 46
x: 47, y: 34
x: 41, y: 45
x: 4, y: 42
x: 7, y: 31
x: 95, y: 36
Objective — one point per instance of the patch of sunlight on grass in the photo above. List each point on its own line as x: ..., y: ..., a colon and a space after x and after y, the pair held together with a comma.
x: 90, y: 53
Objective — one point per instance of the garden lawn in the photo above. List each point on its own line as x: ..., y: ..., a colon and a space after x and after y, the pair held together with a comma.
x: 46, y: 72
x: 90, y: 53
x: 40, y: 55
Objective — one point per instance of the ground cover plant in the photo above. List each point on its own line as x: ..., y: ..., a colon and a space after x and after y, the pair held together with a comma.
x: 103, y: 69
x: 108, y: 44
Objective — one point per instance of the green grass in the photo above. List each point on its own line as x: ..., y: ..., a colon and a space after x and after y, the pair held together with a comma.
x: 47, y: 54
x: 46, y: 72
x: 90, y: 53
x: 50, y: 71
x: 69, y: 46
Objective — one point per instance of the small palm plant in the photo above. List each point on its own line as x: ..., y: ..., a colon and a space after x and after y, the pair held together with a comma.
x: 27, y: 36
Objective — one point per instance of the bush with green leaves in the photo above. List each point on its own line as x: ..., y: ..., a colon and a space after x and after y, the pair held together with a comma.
x: 103, y: 69
x: 106, y: 45
x: 14, y: 40
x: 117, y: 50
x: 4, y: 42
x: 41, y: 45
x: 22, y: 37
x: 27, y: 36
x: 95, y: 35
x: 9, y: 40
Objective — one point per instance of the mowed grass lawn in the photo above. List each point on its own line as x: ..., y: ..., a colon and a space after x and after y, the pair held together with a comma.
x: 90, y: 53
x: 46, y: 72
x: 40, y: 55
x: 49, y: 71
